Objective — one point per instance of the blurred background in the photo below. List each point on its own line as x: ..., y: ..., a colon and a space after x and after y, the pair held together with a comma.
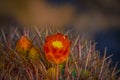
x: 98, y: 19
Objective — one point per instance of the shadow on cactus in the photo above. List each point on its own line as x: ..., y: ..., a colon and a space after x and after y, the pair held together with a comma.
x: 51, y: 54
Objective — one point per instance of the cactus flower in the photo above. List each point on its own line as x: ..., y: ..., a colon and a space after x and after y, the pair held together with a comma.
x: 23, y: 44
x: 51, y: 72
x: 33, y: 53
x: 57, y: 48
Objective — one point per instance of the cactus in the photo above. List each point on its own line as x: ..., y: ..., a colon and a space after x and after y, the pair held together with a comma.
x: 83, y: 63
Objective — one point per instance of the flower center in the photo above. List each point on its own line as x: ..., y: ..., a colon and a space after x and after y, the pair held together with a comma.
x: 57, y: 44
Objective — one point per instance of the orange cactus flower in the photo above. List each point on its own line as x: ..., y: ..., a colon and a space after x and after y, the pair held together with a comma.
x: 23, y: 44
x: 57, y: 48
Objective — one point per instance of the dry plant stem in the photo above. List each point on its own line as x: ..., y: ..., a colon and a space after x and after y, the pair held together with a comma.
x: 57, y: 72
x: 79, y: 52
x: 103, y: 62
